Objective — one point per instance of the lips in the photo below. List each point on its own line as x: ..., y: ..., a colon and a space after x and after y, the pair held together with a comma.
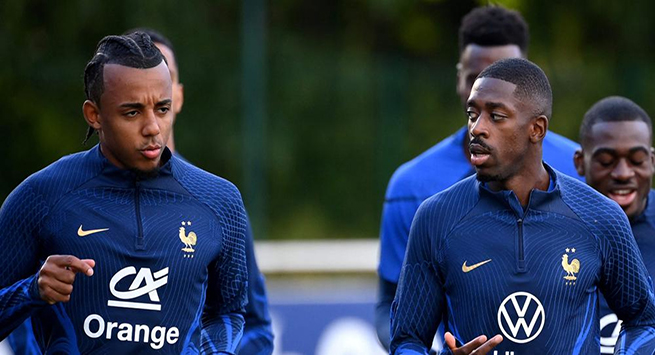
x: 151, y: 151
x: 479, y: 154
x: 624, y: 197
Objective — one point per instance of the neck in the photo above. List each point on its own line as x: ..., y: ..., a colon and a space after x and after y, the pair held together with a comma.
x: 171, y: 143
x: 534, y: 177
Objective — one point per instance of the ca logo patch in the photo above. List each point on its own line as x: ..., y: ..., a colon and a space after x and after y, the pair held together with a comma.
x: 518, y: 316
x: 145, y: 282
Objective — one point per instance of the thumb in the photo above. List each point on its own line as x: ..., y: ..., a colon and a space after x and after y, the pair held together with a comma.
x: 450, y: 341
x: 91, y: 263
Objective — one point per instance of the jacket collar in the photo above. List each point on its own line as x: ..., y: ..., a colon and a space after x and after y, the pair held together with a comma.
x: 117, y: 174
x: 538, y: 199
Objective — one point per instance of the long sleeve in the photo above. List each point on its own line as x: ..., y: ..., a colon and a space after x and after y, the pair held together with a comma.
x: 419, y: 298
x: 627, y: 287
x: 257, y: 334
x: 386, y: 293
x: 20, y: 218
x: 397, y: 215
x: 222, y: 318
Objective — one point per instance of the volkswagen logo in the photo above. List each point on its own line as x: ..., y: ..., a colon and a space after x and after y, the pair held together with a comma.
x: 518, y: 316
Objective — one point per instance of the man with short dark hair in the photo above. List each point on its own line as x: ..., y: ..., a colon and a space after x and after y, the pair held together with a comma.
x: 487, y: 34
x: 616, y: 158
x: 160, y: 242
x: 519, y: 249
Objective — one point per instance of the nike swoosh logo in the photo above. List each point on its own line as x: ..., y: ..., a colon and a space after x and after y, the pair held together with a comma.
x: 466, y: 268
x: 83, y: 233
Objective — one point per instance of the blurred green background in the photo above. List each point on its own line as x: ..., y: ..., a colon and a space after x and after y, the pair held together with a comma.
x: 308, y: 106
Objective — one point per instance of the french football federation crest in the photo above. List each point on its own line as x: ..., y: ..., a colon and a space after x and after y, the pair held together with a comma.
x: 571, y: 268
x: 189, y: 239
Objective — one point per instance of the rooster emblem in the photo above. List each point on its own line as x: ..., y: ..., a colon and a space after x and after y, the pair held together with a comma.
x: 572, y: 267
x: 189, y: 240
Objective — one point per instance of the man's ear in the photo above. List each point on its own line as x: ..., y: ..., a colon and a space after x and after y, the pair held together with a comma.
x: 91, y: 113
x: 538, y: 128
x: 459, y: 73
x: 578, y: 161
x: 178, y: 98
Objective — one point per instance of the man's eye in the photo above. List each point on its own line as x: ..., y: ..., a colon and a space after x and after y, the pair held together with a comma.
x: 164, y: 109
x: 472, y: 115
x: 131, y: 113
x: 497, y: 117
x: 605, y: 163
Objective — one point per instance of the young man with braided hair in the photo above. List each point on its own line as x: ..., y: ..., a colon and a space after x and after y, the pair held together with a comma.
x: 125, y: 247
x: 519, y: 249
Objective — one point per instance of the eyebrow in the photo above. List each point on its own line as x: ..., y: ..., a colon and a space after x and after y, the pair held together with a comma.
x: 132, y: 105
x: 493, y: 105
x: 613, y: 151
x: 138, y: 105
x: 489, y: 105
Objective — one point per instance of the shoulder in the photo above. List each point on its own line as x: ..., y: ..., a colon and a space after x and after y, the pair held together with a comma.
x: 65, y: 174
x: 432, y: 171
x: 214, y: 191
x: 453, y: 204
x: 558, y: 142
x: 650, y: 205
x: 599, y: 213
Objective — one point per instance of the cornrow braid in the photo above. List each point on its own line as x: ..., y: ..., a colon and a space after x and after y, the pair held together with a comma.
x: 134, y: 50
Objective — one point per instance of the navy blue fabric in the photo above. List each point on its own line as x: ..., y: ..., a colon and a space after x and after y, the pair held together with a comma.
x: 176, y: 242
x: 22, y: 340
x: 258, y: 333
x: 643, y: 228
x: 546, y: 263
x: 434, y: 171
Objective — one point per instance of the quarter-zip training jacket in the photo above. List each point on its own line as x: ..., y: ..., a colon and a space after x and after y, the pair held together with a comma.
x: 532, y: 275
x: 170, y: 274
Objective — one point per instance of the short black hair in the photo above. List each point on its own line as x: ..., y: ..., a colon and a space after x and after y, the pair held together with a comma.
x: 494, y: 26
x: 612, y: 109
x: 135, y: 50
x: 532, y: 85
x: 155, y: 36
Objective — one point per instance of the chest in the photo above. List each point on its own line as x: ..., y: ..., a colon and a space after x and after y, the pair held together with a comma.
x: 125, y: 231
x: 496, y: 254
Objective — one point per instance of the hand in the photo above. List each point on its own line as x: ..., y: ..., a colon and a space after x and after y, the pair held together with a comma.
x: 477, y: 346
x: 57, y: 275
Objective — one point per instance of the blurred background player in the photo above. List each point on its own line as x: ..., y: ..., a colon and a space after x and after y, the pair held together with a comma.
x: 487, y: 34
x: 257, y: 334
x: 616, y: 158
x: 519, y: 249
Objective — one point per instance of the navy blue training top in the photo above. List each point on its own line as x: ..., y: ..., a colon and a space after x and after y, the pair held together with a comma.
x: 643, y: 228
x: 170, y: 272
x: 533, y: 275
x: 433, y: 171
